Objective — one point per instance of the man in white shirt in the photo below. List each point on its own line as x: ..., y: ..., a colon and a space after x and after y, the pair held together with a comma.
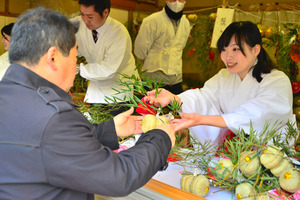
x: 108, y: 51
x: 160, y: 42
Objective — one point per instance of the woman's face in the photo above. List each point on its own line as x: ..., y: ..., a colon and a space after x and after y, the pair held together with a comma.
x: 235, y: 61
x: 5, y: 40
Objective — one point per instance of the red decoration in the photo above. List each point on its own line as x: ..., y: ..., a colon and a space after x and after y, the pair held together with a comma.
x: 145, y: 109
x: 210, y: 175
x: 295, y: 53
x: 211, y: 55
x: 295, y: 87
x: 223, y: 146
x: 199, y: 86
x: 173, y: 157
x: 192, y: 52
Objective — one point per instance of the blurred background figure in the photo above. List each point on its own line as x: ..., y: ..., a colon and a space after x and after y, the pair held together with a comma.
x: 4, y: 62
x: 160, y: 42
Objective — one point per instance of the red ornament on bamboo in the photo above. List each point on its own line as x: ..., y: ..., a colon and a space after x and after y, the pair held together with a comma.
x: 295, y: 86
x: 145, y: 108
x: 295, y: 53
x: 192, y: 52
x: 211, y: 55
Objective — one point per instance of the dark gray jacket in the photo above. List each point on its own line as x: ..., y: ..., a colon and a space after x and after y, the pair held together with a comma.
x: 48, y: 150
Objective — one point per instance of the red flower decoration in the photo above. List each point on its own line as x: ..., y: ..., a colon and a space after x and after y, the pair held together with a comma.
x: 210, y: 175
x: 295, y: 87
x: 211, y: 55
x: 173, y: 157
x: 295, y: 53
x: 145, y: 109
x: 192, y: 52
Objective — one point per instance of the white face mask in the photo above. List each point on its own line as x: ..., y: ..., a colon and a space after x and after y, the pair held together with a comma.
x: 176, y: 6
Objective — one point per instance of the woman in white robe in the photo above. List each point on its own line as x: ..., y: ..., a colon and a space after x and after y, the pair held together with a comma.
x: 249, y: 89
x: 4, y: 61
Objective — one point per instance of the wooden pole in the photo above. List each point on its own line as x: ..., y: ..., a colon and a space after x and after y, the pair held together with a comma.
x: 224, y: 3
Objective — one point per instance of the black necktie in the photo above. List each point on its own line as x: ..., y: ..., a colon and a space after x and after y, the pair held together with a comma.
x: 95, y: 35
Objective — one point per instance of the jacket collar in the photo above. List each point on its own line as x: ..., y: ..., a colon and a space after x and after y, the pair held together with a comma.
x: 27, y: 78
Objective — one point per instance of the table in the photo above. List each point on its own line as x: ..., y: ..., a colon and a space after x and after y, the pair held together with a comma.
x: 172, y: 176
x: 155, y: 190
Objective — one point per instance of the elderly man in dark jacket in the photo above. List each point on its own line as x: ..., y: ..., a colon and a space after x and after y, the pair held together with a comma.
x: 48, y: 150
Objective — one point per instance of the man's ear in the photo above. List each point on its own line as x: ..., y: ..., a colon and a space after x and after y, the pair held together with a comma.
x: 105, y: 13
x: 51, y: 58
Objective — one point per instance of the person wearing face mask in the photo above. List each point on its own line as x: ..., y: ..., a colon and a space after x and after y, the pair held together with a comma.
x: 160, y: 42
x: 4, y: 62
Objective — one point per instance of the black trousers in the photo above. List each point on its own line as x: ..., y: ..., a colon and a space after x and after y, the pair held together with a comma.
x: 175, y: 89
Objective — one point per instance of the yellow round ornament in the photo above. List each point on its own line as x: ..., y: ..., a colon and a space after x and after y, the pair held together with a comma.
x: 245, y: 191
x: 263, y: 196
x: 289, y: 180
x: 226, y: 165
x: 296, y: 101
x: 271, y: 157
x: 185, y: 182
x: 213, y: 16
x: 161, y: 120
x: 283, y: 166
x: 270, y: 32
x: 199, y: 185
x: 249, y: 163
x: 297, y: 112
x: 192, y: 17
x: 151, y: 122
x: 262, y: 29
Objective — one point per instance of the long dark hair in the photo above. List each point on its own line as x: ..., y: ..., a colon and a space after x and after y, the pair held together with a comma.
x: 246, y: 31
x: 7, y: 29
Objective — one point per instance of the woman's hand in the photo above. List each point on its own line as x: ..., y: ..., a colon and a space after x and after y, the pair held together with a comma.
x: 163, y: 98
x: 127, y: 124
x: 187, y: 120
x: 194, y: 119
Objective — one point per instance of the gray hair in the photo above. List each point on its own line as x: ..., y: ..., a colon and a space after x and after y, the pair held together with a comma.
x: 36, y: 31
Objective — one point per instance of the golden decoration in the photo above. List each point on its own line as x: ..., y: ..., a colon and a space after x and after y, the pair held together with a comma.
x: 213, y: 16
x: 270, y: 32
x: 192, y: 18
x: 206, y: 189
x: 265, y: 150
x: 297, y: 112
x: 248, y: 159
x: 262, y: 29
x: 287, y: 175
x: 297, y: 101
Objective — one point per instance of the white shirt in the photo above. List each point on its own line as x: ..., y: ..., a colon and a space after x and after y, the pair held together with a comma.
x: 4, y: 64
x: 159, y: 46
x: 238, y: 102
x: 111, y: 55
